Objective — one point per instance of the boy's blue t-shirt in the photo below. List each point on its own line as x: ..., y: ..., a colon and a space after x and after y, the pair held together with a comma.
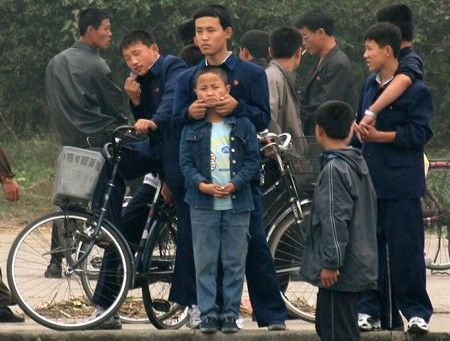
x: 220, y: 161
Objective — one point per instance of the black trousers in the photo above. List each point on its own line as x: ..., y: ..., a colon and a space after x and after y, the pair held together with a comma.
x: 337, y: 315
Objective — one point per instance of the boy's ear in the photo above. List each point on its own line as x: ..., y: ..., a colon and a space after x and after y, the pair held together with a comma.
x: 270, y: 52
x: 228, y: 86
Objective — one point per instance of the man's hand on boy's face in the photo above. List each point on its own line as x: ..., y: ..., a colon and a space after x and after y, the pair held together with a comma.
x: 197, y: 110
x: 328, y: 277
x: 226, y: 105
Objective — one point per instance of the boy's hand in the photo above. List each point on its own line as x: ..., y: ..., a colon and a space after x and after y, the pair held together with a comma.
x: 197, y: 110
x: 214, y: 190
x: 229, y: 188
x: 328, y: 277
x: 226, y: 105
x: 144, y: 126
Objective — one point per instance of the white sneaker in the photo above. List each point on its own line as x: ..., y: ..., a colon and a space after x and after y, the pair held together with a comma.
x: 417, y: 325
x: 194, y: 317
x: 240, y: 323
x: 368, y: 323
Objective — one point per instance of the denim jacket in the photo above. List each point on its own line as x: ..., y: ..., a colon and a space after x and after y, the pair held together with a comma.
x: 195, y: 156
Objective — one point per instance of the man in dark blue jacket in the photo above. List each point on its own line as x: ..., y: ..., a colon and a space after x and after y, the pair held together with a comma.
x: 150, y: 89
x: 410, y: 65
x: 249, y: 96
x: 394, y: 155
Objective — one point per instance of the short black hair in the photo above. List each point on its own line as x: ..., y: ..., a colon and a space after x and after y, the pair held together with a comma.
x: 385, y: 34
x: 256, y: 42
x: 315, y: 19
x: 284, y: 41
x: 217, y: 70
x: 335, y: 118
x: 186, y: 30
x: 400, y: 15
x: 137, y: 36
x: 191, y: 54
x: 91, y: 17
x: 215, y: 11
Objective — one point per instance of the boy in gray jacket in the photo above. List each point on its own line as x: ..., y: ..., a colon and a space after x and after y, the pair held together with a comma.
x: 340, y: 255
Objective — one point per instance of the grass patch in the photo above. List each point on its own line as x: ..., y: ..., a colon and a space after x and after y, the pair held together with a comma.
x: 33, y: 161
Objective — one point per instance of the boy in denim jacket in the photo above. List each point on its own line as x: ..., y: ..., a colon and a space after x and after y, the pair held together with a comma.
x: 218, y: 157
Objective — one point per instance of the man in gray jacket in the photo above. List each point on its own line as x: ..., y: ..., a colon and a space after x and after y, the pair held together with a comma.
x: 340, y: 255
x: 331, y: 78
x: 85, y: 103
x: 83, y: 99
x: 285, y: 49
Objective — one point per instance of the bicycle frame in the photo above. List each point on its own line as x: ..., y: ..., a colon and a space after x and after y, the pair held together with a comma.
x: 282, y: 194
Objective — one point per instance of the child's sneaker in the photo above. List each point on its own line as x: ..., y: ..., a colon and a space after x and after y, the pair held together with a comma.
x: 368, y: 323
x: 209, y: 325
x: 229, y: 325
x: 417, y: 325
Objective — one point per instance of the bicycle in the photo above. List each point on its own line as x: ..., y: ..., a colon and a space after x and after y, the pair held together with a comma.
x: 84, y: 239
x: 287, y: 204
x: 436, y: 216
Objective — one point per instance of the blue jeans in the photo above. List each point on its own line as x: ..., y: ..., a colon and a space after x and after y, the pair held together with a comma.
x: 221, y: 234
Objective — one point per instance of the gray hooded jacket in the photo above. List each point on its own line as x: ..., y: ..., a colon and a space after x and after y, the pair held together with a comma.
x: 343, y: 223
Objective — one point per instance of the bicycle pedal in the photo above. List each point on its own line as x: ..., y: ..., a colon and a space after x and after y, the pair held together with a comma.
x: 161, y: 305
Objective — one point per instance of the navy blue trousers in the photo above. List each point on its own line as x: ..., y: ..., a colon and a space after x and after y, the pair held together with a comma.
x: 401, y: 266
x: 183, y: 289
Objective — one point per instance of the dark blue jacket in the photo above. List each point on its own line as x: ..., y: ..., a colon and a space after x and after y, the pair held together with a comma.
x: 195, y: 158
x: 157, y: 94
x: 249, y: 86
x: 157, y: 91
x: 410, y: 64
x: 397, y: 168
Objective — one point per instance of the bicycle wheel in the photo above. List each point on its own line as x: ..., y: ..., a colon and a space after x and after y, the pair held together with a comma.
x: 162, y: 313
x: 286, y: 244
x: 62, y: 303
x: 436, y: 213
x: 132, y: 309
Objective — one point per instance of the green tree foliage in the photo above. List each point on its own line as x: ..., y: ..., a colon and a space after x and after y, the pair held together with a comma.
x: 32, y: 31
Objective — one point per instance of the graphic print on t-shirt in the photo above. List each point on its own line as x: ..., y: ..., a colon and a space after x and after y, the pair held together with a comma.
x: 220, y: 161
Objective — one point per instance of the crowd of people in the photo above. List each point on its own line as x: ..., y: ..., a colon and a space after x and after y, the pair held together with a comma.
x: 201, y: 111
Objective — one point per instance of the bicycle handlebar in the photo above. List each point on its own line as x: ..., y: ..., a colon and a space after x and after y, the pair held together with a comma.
x: 280, y: 142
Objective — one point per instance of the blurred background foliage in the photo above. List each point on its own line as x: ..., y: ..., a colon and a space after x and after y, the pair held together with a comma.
x: 33, y: 31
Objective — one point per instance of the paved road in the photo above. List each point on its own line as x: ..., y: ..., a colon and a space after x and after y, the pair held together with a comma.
x: 438, y: 287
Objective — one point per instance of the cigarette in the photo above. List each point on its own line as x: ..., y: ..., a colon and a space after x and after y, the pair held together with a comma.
x: 304, y: 51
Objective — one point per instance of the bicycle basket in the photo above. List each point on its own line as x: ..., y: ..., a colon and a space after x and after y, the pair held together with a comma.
x: 77, y: 171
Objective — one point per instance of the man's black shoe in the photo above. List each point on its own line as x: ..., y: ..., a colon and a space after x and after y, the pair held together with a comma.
x: 8, y: 316
x: 54, y: 270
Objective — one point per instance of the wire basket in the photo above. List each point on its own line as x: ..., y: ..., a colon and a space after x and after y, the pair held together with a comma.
x: 77, y: 172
